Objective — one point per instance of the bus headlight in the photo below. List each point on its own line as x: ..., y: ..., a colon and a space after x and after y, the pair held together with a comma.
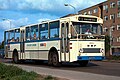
x: 101, y: 50
x: 81, y: 50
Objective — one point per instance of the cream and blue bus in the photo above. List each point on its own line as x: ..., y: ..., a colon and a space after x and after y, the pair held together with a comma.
x: 57, y: 41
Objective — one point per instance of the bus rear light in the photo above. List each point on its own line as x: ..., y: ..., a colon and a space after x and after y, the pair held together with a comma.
x: 70, y: 47
x: 70, y: 43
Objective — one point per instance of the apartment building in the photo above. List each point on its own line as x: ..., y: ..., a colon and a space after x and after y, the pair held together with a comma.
x: 109, y: 11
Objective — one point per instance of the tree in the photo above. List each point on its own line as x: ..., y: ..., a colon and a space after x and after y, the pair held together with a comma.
x: 107, y: 43
x: 2, y: 45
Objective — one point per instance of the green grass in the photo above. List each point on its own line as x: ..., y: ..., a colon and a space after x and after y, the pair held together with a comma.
x: 10, y: 72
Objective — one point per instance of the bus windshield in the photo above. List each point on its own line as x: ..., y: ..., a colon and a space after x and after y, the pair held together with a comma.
x: 82, y: 28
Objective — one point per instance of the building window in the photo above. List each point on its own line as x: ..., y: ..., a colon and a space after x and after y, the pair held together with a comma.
x: 105, y: 29
x: 90, y: 12
x: 112, y: 28
x: 118, y: 15
x: 105, y: 7
x: 95, y: 10
x: 112, y: 16
x: 112, y: 5
x: 118, y: 39
x: 114, y: 39
x: 85, y: 13
x: 118, y: 27
x: 105, y: 18
x: 118, y: 2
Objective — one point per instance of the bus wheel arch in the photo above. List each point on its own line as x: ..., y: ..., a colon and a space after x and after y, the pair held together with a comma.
x: 53, y: 57
x: 15, y: 56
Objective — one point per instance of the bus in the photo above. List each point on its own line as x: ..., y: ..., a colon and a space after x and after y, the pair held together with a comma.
x: 57, y: 41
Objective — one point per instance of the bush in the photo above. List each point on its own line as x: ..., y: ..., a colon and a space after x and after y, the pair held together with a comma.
x: 10, y: 72
x: 115, y: 57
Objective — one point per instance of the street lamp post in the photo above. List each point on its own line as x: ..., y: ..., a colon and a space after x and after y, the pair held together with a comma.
x: 72, y: 7
x: 9, y: 22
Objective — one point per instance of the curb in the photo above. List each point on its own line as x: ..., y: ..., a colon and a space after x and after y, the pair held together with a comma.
x: 117, y: 61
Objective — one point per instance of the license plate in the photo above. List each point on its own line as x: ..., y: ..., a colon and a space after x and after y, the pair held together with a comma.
x: 91, y: 58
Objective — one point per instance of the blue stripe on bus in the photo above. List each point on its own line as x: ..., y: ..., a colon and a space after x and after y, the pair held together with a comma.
x: 54, y: 39
x: 43, y: 40
x: 87, y: 40
x: 13, y: 43
x: 91, y: 57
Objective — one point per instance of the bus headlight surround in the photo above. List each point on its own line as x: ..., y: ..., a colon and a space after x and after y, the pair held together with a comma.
x: 81, y: 50
x: 102, y: 50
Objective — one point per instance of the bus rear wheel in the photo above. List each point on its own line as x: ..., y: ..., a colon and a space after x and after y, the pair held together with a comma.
x: 50, y: 59
x: 83, y: 63
x: 15, y: 58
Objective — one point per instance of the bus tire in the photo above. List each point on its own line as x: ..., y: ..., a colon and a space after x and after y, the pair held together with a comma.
x: 83, y: 63
x: 15, y: 58
x: 55, y: 59
x: 50, y: 59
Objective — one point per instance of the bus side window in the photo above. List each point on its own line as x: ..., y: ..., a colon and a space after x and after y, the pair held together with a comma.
x: 12, y: 40
x: 44, y: 31
x: 54, y: 29
x: 17, y: 35
x: 12, y: 36
x: 34, y: 32
x: 7, y: 37
x: 28, y: 34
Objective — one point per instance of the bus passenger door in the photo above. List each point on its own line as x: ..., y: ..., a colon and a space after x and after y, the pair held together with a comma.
x: 65, y: 41
x: 22, y: 47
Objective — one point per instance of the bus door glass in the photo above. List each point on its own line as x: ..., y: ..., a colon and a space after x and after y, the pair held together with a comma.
x: 65, y: 29
x: 22, y: 47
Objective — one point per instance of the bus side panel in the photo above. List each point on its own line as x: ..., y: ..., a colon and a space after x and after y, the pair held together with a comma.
x: 31, y: 50
x: 55, y: 44
x: 12, y: 47
x: 74, y: 51
x: 45, y: 46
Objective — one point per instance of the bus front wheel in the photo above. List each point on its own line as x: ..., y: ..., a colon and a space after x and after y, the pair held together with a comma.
x: 83, y: 63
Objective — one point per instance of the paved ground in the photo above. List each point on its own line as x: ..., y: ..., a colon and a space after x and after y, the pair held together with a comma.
x: 96, y: 70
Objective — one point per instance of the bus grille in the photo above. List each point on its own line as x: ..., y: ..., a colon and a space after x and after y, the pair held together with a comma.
x: 91, y: 50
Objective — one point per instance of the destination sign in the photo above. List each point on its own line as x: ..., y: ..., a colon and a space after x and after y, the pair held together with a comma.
x: 87, y: 19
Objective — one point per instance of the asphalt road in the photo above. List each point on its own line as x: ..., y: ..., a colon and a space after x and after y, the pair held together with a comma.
x: 97, y: 68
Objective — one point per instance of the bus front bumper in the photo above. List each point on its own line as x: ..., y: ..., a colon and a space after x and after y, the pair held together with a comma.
x: 91, y: 58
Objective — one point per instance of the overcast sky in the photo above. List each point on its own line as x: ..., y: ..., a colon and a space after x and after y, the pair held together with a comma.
x: 23, y: 12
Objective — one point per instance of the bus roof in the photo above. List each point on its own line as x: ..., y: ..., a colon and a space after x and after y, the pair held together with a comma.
x: 71, y: 17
